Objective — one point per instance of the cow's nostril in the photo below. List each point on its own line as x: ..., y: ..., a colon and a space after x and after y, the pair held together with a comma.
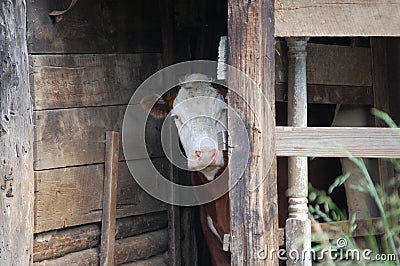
x: 197, y: 154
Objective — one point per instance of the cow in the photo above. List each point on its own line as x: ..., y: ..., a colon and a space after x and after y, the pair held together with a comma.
x: 200, y: 112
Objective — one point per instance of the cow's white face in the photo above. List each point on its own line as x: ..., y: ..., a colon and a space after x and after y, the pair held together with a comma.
x: 200, y: 112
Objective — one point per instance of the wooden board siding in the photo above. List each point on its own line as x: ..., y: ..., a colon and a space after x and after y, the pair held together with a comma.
x: 330, y: 65
x: 94, y: 26
x: 65, y: 81
x: 76, y: 136
x: 337, y: 18
x: 73, y: 196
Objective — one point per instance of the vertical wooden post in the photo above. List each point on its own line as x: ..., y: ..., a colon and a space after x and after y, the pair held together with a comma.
x: 109, y: 199
x: 298, y: 226
x: 16, y: 138
x: 380, y: 86
x: 174, y: 212
x: 254, y: 214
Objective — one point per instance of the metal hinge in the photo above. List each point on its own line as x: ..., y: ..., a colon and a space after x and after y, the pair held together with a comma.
x: 223, y: 140
x: 226, y: 243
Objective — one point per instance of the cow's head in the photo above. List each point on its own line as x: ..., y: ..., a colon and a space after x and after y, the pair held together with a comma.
x: 200, y: 112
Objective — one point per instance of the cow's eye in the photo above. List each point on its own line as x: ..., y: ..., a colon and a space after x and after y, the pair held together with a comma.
x: 177, y: 117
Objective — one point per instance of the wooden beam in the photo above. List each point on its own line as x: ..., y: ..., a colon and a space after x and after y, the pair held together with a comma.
x: 380, y: 85
x: 330, y: 94
x: 129, y: 249
x: 329, y: 64
x: 254, y: 214
x: 108, y: 220
x: 337, y: 18
x: 16, y: 137
x: 334, y: 230
x: 338, y: 142
x: 57, y: 243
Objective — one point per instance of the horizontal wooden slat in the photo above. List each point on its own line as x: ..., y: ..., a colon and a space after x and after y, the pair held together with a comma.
x: 329, y: 65
x: 152, y: 261
x: 70, y: 137
x: 126, y: 250
x: 328, y: 94
x: 57, y: 243
x: 94, y: 26
x: 334, y: 230
x: 337, y: 18
x: 73, y: 196
x: 338, y: 142
x: 80, y: 80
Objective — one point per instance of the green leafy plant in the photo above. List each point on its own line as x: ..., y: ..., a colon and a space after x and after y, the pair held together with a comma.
x: 388, y: 203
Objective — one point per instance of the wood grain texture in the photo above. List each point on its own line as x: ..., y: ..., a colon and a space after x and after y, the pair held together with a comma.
x: 80, y: 80
x: 87, y: 257
x: 152, y: 261
x: 254, y: 215
x: 334, y: 230
x: 108, y: 219
x: 126, y: 250
x: 141, y: 247
x: 329, y: 64
x: 329, y: 94
x: 338, y: 142
x: 337, y: 18
x: 16, y: 135
x: 71, y: 137
x: 57, y: 243
x: 73, y: 196
x: 379, y: 56
x: 94, y: 26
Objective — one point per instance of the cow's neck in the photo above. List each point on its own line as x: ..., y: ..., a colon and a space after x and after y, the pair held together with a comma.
x: 210, y: 172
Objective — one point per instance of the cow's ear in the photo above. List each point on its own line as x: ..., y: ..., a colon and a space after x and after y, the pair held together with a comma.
x: 157, y: 106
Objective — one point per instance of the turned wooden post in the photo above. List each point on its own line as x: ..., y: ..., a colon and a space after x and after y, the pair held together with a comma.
x: 298, y: 226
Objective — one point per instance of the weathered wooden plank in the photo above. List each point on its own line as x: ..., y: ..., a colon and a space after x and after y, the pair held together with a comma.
x: 108, y: 219
x: 16, y: 136
x: 254, y: 213
x: 141, y: 247
x: 70, y: 137
x: 126, y: 250
x: 330, y: 65
x: 88, y: 257
x: 338, y: 142
x: 80, y: 80
x: 380, y: 86
x: 337, y: 18
x: 152, y: 261
x: 73, y: 196
x: 53, y: 244
x: 94, y: 26
x: 329, y: 94
x: 334, y: 230
x: 394, y: 77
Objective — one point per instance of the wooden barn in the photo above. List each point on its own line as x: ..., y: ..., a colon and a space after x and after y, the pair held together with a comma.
x: 69, y: 68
